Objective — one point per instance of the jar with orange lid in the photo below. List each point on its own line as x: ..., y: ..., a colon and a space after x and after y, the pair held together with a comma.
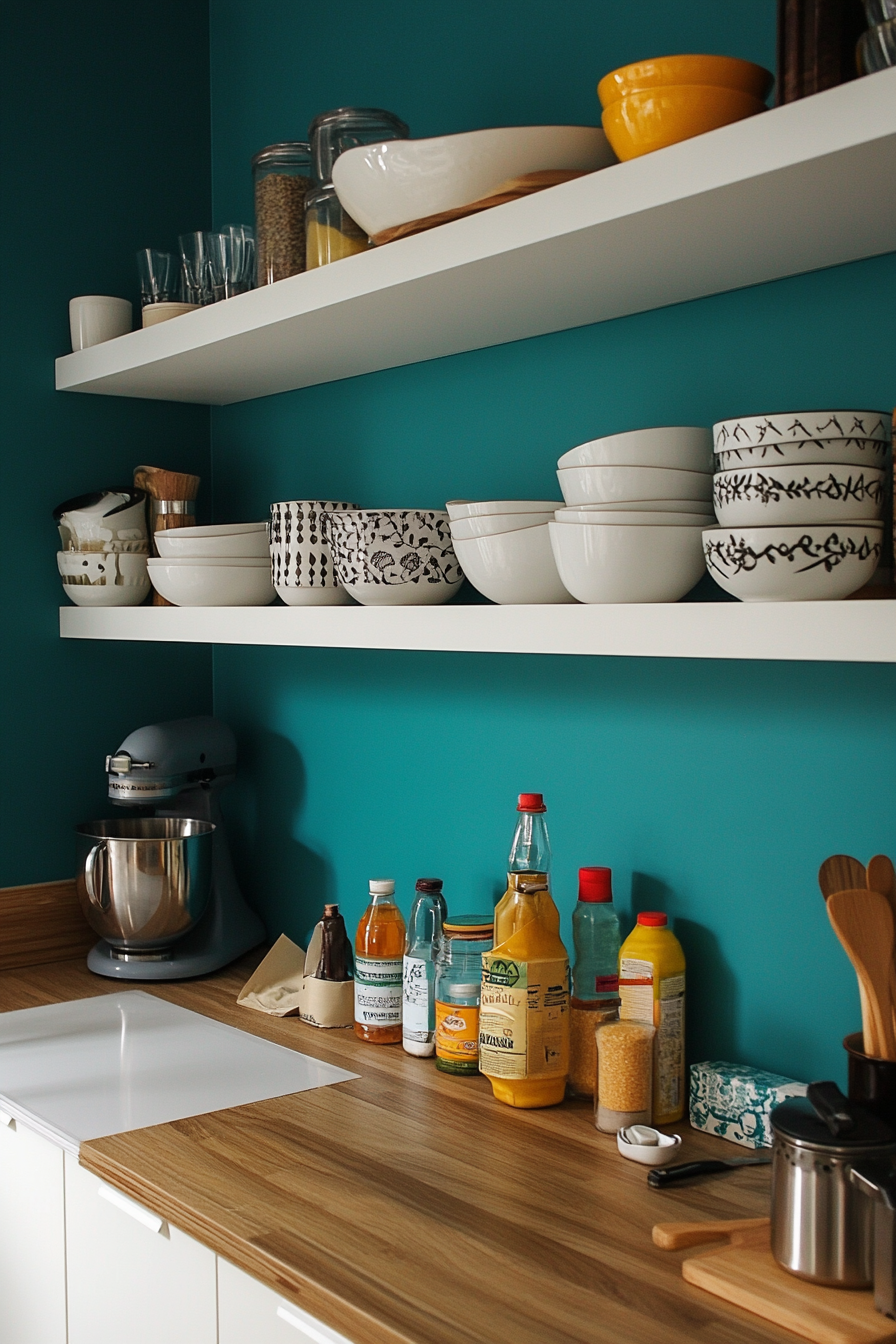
x: 458, y: 988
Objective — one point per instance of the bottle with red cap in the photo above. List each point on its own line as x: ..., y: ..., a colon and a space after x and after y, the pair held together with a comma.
x: 531, y: 848
x: 595, y: 974
x: 651, y: 987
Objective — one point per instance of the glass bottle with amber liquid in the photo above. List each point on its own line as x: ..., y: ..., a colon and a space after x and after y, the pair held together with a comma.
x: 379, y: 951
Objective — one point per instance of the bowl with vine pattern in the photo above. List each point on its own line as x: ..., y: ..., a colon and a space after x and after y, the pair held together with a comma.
x: 394, y: 557
x: 793, y: 564
x: 748, y: 431
x: 840, y: 452
x: 794, y: 495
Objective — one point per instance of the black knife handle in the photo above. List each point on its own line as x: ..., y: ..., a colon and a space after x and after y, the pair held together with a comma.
x: 659, y: 1177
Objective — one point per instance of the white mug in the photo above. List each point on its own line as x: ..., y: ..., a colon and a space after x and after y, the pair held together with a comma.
x: 95, y: 318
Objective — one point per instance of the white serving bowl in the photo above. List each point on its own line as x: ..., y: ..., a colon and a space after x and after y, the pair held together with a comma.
x: 748, y: 431
x: 222, y: 529
x: 605, y: 485
x: 213, y: 582
x: 609, y: 563
x: 172, y: 544
x: 104, y: 579
x: 855, y: 452
x: 296, y: 596
x: 793, y: 564
x: 592, y: 517
x: 513, y: 567
x: 686, y: 447
x: 394, y: 557
x: 485, y: 508
x: 491, y: 523
x: 104, y: 520
x: 646, y: 506
x: 782, y: 496
x: 393, y: 182
x: 658, y: 1154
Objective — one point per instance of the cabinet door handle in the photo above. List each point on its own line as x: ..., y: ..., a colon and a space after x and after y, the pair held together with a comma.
x: 305, y: 1327
x: 130, y: 1206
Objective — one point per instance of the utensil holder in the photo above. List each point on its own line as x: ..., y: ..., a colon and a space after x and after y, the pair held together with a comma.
x: 872, y: 1082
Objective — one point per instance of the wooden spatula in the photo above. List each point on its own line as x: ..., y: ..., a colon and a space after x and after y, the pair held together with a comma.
x: 863, y: 921
x: 841, y: 873
x: 881, y: 876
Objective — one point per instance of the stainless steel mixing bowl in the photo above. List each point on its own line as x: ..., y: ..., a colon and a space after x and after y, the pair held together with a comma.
x: 144, y: 882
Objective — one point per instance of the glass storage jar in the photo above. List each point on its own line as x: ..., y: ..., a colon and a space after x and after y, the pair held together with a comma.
x: 330, y: 233
x: 624, y: 1094
x: 458, y: 987
x: 281, y: 176
x: 346, y: 128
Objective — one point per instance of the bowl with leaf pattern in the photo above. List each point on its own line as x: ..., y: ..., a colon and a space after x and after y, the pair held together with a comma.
x: 793, y: 495
x: 793, y: 564
x: 394, y: 557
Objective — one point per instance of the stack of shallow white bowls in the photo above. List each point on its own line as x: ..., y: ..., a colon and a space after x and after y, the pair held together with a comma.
x: 104, y: 548
x: 504, y: 547
x: 636, y: 507
x: 799, y: 498
x: 225, y: 565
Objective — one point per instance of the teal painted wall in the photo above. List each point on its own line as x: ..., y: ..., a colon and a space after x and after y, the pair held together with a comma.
x: 713, y: 789
x: 105, y: 148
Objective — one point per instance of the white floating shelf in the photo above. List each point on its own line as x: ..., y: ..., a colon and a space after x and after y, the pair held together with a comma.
x: 860, y: 632
x: 808, y: 185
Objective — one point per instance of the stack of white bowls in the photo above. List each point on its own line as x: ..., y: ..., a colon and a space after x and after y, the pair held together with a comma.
x: 636, y: 507
x: 504, y: 547
x: 225, y: 565
x: 104, y: 548
x: 799, y: 499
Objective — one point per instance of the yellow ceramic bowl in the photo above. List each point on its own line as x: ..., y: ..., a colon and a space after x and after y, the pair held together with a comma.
x: 643, y: 122
x: 725, y: 72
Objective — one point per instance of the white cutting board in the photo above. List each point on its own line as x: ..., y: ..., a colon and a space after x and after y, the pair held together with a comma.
x: 92, y: 1067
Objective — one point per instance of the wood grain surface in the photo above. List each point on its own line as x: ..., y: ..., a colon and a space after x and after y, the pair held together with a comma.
x: 42, y: 923
x: 409, y: 1207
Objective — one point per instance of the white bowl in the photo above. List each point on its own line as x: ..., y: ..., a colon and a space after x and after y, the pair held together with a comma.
x: 513, y: 567
x: 673, y: 506
x: 104, y: 579
x: 213, y: 583
x: 609, y: 563
x: 748, y: 431
x: 687, y: 447
x: 781, y: 496
x: 793, y: 564
x: 856, y: 452
x: 300, y: 553
x: 386, y: 184
x: 222, y: 529
x: 657, y: 1154
x: 218, y: 561
x: 295, y: 596
x: 485, y: 508
x: 104, y: 520
x: 604, y: 485
x: 649, y: 518
x: 172, y: 544
x: 394, y: 557
x: 491, y: 523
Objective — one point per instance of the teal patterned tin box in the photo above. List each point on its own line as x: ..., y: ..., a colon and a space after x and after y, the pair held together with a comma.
x: 734, y: 1101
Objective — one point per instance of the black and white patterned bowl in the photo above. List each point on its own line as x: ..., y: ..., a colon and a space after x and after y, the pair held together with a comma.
x: 394, y: 557
x: 301, y: 561
x: 802, y: 452
x: 794, y: 495
x: 748, y: 431
x: 793, y: 564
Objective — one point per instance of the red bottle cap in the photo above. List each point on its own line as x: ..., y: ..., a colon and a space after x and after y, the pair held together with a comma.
x: 654, y: 919
x: 531, y: 802
x: 595, y: 884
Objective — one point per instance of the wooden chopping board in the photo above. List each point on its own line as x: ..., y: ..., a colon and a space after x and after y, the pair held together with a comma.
x: 743, y: 1271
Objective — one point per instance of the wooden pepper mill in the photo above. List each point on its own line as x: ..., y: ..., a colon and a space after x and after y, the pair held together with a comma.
x: 172, y: 503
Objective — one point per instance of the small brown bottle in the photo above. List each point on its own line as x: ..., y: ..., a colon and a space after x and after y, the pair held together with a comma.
x: 335, y: 950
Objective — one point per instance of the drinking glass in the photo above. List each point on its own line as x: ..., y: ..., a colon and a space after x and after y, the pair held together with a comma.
x: 159, y: 276
x: 197, y: 280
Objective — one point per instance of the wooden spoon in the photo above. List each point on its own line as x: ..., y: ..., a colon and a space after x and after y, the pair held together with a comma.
x: 881, y: 876
x: 841, y: 873
x: 863, y: 921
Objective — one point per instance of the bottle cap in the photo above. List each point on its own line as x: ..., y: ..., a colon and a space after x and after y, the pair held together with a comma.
x: 531, y: 802
x: 429, y: 884
x: 595, y: 884
x: 653, y: 919
x: 469, y: 924
x: 382, y: 886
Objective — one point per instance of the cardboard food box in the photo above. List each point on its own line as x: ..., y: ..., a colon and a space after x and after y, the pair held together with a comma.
x: 284, y: 985
x: 735, y: 1101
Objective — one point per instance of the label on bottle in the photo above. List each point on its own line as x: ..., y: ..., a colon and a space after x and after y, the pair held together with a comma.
x: 457, y: 1031
x: 378, y: 991
x: 417, y: 1000
x: 523, y: 1018
x: 669, y: 1080
x: 636, y: 990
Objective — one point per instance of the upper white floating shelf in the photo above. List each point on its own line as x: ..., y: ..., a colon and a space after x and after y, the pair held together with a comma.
x: 855, y: 632
x: 804, y: 186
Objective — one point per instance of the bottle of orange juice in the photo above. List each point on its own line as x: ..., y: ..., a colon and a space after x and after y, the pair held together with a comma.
x: 651, y: 987
x: 379, y: 951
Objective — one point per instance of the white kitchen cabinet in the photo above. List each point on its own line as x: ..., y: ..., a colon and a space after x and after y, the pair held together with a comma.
x: 32, y: 1237
x: 251, y: 1313
x: 132, y: 1278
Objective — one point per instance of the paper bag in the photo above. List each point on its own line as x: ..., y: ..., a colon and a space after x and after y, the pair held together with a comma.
x: 281, y: 988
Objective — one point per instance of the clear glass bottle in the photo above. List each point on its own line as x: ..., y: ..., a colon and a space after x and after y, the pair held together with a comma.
x: 595, y: 974
x: 458, y: 990
x: 379, y: 949
x: 418, y: 971
x: 530, y: 851
x: 281, y: 177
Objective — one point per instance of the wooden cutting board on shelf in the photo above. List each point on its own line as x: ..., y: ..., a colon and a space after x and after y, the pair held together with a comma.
x: 743, y: 1271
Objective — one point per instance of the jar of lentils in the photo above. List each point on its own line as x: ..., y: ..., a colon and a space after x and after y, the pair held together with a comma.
x: 281, y: 176
x: 458, y: 988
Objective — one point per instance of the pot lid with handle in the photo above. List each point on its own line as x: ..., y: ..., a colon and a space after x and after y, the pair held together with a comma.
x: 827, y: 1121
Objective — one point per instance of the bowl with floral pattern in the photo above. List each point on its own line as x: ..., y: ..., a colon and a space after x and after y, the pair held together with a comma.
x: 394, y: 557
x: 854, y: 452
x: 793, y: 564
x: 792, y: 495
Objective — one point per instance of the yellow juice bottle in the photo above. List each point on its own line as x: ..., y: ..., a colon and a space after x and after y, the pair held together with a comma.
x: 651, y: 987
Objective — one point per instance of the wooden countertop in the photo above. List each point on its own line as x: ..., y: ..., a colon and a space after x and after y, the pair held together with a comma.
x: 408, y: 1205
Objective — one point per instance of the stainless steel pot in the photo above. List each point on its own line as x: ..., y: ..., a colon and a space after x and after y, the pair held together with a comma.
x: 822, y: 1223
x: 144, y: 882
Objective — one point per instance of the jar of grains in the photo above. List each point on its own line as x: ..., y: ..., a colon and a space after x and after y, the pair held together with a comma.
x: 624, y: 1094
x: 281, y: 175
x: 458, y: 989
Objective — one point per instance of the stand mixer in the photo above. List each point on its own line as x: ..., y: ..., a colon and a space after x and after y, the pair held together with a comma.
x: 168, y: 770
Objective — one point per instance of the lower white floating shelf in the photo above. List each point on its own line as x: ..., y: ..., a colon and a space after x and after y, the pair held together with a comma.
x: 842, y: 632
